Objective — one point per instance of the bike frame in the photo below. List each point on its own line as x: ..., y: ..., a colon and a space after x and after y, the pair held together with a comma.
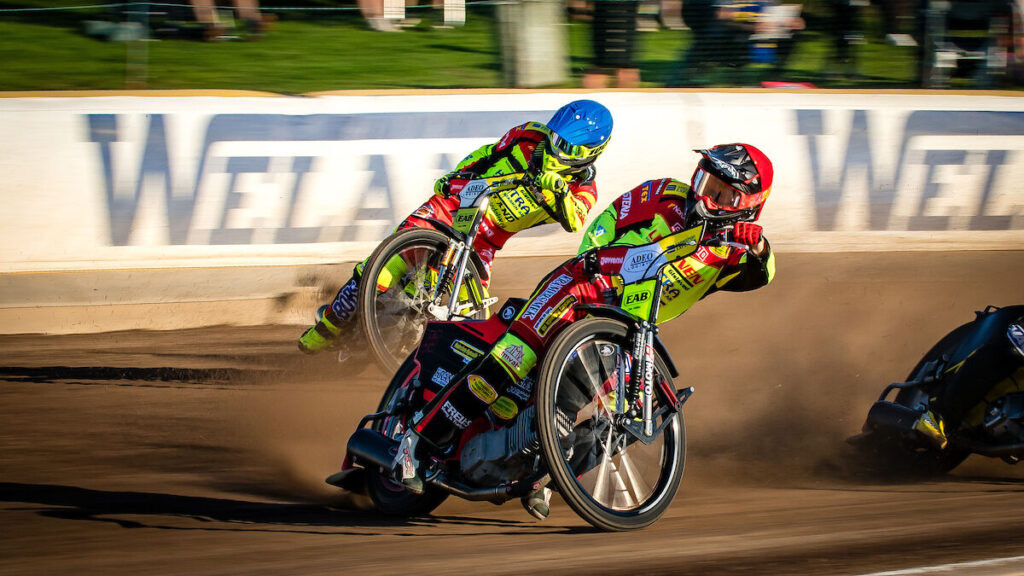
x: 475, y: 198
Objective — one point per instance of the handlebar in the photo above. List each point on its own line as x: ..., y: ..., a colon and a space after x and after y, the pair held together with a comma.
x: 729, y: 243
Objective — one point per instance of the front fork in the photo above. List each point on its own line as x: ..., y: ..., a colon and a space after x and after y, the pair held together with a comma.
x: 641, y: 381
x: 453, y: 255
x: 640, y: 419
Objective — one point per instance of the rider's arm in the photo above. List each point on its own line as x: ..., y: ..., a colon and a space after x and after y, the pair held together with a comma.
x: 749, y: 272
x: 469, y: 164
x: 601, y: 231
x: 572, y: 207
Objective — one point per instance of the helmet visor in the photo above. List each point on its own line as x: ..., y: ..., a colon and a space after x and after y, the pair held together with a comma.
x: 717, y: 194
x: 573, y: 155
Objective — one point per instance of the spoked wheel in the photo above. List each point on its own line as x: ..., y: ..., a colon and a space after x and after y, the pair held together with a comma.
x: 609, y: 478
x: 393, y: 308
x: 388, y: 496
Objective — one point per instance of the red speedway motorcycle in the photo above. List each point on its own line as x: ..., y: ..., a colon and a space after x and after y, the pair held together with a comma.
x: 604, y: 426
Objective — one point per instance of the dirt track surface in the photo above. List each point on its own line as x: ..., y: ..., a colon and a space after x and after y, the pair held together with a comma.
x: 204, y: 451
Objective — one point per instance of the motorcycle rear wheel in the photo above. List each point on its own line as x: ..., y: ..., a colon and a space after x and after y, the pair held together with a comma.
x: 607, y: 477
x: 393, y: 308
x: 388, y: 496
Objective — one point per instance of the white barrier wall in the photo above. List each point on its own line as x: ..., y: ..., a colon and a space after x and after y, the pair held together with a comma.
x: 141, y: 182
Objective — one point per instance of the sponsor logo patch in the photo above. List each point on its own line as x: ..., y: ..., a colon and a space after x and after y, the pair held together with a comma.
x: 508, y: 312
x: 639, y: 260
x: 441, y: 377
x: 637, y: 298
x: 557, y: 284
x: 455, y: 416
x: 550, y: 317
x: 481, y: 389
x: 513, y: 356
x: 468, y: 352
x: 522, y: 389
x: 505, y: 408
x: 627, y: 201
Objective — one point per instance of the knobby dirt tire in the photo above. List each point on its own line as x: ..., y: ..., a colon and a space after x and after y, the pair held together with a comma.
x: 393, y: 319
x: 561, y: 391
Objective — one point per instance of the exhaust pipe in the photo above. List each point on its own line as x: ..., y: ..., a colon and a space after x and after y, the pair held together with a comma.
x: 369, y: 447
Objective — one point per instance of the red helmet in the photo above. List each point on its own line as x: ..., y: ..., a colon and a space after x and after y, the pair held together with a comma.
x: 732, y: 181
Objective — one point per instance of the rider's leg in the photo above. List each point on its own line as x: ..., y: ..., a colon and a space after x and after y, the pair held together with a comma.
x: 335, y: 318
x: 492, y: 383
x: 495, y: 382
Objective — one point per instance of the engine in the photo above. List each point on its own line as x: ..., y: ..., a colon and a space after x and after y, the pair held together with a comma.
x: 503, y: 455
x: 1004, y: 419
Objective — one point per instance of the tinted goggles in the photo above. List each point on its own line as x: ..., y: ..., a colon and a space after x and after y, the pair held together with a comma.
x: 717, y: 194
x: 572, y: 154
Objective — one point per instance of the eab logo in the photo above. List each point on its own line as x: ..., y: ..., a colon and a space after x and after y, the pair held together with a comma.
x: 637, y: 298
x: 464, y: 217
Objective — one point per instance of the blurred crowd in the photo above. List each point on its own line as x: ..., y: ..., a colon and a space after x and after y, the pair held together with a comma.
x: 740, y: 42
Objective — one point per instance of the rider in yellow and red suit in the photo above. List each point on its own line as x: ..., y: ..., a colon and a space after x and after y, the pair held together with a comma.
x: 558, y: 155
x: 728, y: 190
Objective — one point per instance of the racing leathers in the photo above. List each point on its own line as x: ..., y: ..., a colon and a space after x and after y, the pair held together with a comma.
x: 519, y: 151
x: 645, y: 214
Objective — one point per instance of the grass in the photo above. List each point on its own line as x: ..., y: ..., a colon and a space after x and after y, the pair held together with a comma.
x: 333, y: 50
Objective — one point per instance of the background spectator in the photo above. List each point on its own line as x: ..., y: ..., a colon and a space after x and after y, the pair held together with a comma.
x: 248, y: 11
x: 613, y: 37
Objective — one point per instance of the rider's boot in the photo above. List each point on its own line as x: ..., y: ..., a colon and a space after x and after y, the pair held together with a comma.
x: 406, y: 465
x: 323, y: 334
x: 930, y: 425
x: 538, y: 503
x: 331, y: 320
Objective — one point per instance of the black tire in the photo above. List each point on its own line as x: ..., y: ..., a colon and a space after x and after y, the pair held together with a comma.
x: 388, y: 496
x: 585, y: 452
x: 392, y: 318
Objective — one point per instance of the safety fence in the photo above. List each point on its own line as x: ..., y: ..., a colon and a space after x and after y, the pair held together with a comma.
x: 568, y: 43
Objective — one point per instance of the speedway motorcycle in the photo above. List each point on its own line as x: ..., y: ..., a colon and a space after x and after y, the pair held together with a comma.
x: 425, y: 274
x: 603, y: 425
x: 973, y: 380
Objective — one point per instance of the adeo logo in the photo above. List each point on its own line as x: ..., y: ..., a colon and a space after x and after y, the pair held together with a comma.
x: 639, y: 261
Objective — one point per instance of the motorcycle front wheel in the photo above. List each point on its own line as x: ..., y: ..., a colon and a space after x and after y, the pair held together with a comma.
x: 609, y: 478
x: 395, y: 291
x: 388, y: 496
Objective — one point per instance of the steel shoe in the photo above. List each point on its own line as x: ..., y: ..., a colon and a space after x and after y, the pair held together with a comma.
x: 930, y: 425
x: 538, y: 503
x: 406, y: 466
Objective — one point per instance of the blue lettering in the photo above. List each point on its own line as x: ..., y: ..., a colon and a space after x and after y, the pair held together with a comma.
x: 375, y: 204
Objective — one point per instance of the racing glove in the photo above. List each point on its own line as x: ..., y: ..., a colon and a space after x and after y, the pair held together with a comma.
x: 746, y: 233
x: 443, y: 185
x: 551, y: 181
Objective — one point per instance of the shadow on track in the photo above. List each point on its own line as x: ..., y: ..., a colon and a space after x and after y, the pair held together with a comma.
x: 73, y: 503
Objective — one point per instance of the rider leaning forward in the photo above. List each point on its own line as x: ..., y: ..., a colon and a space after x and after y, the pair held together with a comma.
x: 727, y: 191
x: 559, y: 156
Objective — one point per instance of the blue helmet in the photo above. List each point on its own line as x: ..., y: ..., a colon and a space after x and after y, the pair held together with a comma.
x: 580, y: 131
